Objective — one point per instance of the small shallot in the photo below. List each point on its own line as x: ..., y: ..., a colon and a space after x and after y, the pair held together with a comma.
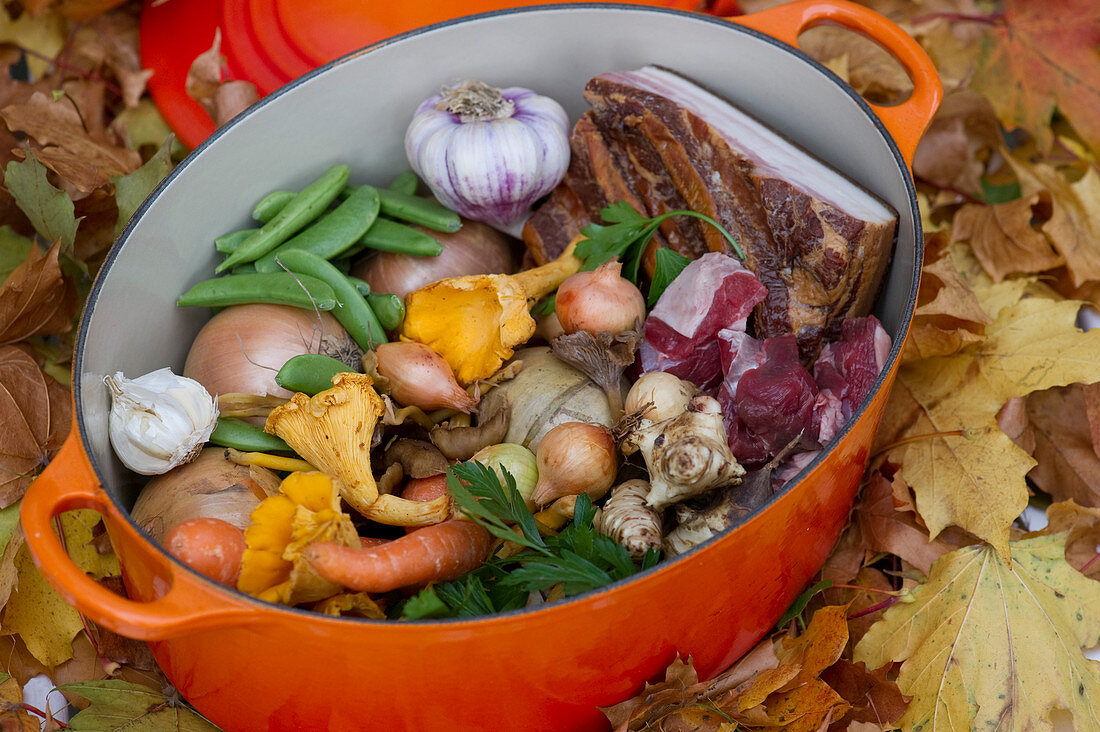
x: 601, y: 300
x: 575, y: 458
x: 420, y: 377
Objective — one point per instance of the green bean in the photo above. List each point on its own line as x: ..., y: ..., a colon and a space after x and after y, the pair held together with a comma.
x: 310, y: 373
x: 390, y: 309
x: 280, y: 288
x: 333, y: 232
x: 227, y: 243
x: 342, y: 263
x: 406, y: 183
x: 303, y: 208
x: 417, y: 210
x: 390, y: 236
x: 360, y: 286
x: 271, y: 204
x: 241, y: 435
x: 351, y: 309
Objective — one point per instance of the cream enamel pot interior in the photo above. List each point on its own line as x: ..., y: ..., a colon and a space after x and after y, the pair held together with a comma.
x: 251, y: 665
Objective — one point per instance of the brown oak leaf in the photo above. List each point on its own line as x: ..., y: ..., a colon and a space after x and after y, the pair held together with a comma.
x: 1082, y: 525
x: 873, y: 697
x: 954, y: 149
x: 85, y: 160
x: 36, y: 299
x: 35, y: 412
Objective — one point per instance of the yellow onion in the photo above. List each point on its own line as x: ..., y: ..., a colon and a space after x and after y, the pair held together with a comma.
x: 476, y: 248
x: 241, y: 348
x: 518, y: 461
x: 575, y: 458
x: 419, y: 377
x: 210, y: 486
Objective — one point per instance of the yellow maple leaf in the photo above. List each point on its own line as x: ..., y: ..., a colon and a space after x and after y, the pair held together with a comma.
x: 45, y: 621
x: 988, y: 645
x: 970, y: 474
x: 77, y: 527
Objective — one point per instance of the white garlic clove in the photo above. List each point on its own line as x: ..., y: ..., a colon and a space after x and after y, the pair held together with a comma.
x: 159, y: 421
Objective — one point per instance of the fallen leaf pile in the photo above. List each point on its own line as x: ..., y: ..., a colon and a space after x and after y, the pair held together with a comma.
x: 936, y: 610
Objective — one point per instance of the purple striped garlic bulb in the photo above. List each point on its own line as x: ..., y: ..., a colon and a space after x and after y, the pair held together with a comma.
x: 489, y: 153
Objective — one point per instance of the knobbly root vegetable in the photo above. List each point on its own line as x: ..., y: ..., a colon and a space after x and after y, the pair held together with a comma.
x: 209, y: 546
x: 686, y: 455
x: 628, y: 520
x: 658, y: 396
x: 438, y: 553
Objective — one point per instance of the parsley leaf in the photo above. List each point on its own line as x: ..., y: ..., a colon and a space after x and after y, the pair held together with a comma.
x: 476, y: 489
x: 670, y: 264
x: 626, y: 236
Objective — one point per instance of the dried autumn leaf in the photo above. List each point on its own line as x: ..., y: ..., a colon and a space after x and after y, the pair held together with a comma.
x: 30, y: 437
x: 957, y: 144
x: 1033, y: 58
x: 36, y: 299
x: 1073, y: 226
x: 121, y: 705
x: 948, y: 315
x: 1003, y: 236
x: 1068, y: 463
x: 46, y: 622
x: 43, y: 35
x: 78, y: 530
x: 776, y: 684
x: 49, y: 209
x: 892, y: 530
x: 1081, y: 524
x: 84, y: 159
x: 206, y: 74
x: 871, y: 695
x: 13, y: 716
x: 987, y: 644
x: 967, y: 472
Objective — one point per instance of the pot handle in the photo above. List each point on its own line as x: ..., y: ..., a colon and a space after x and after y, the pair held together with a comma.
x: 186, y: 605
x: 907, y: 121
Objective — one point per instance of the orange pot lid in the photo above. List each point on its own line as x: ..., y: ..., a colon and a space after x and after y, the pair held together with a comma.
x: 271, y: 42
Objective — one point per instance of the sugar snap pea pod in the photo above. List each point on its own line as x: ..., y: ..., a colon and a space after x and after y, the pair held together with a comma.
x: 390, y: 236
x: 351, y: 309
x: 278, y: 288
x: 271, y: 204
x: 406, y: 183
x: 333, y: 232
x: 227, y: 243
x: 418, y: 210
x: 303, y: 208
x: 390, y: 309
x: 241, y: 435
x: 309, y: 373
x: 360, y: 286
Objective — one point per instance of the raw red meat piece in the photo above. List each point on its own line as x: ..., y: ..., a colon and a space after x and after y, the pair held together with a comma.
x: 848, y: 368
x: 713, y: 293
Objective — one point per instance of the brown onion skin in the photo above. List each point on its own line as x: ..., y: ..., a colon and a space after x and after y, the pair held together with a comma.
x: 269, y: 336
x: 575, y: 458
x: 420, y: 377
x: 476, y: 248
x: 601, y: 300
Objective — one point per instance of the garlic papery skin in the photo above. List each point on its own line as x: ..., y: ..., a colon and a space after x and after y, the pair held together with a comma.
x: 489, y: 153
x: 160, y: 420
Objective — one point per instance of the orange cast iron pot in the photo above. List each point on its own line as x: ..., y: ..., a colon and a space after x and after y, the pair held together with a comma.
x: 250, y: 665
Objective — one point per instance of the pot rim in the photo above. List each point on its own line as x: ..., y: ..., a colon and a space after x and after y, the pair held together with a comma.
x: 890, y: 366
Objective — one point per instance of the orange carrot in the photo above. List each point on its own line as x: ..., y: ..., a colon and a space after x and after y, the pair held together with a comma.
x: 210, y: 546
x: 425, y: 489
x: 438, y: 553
